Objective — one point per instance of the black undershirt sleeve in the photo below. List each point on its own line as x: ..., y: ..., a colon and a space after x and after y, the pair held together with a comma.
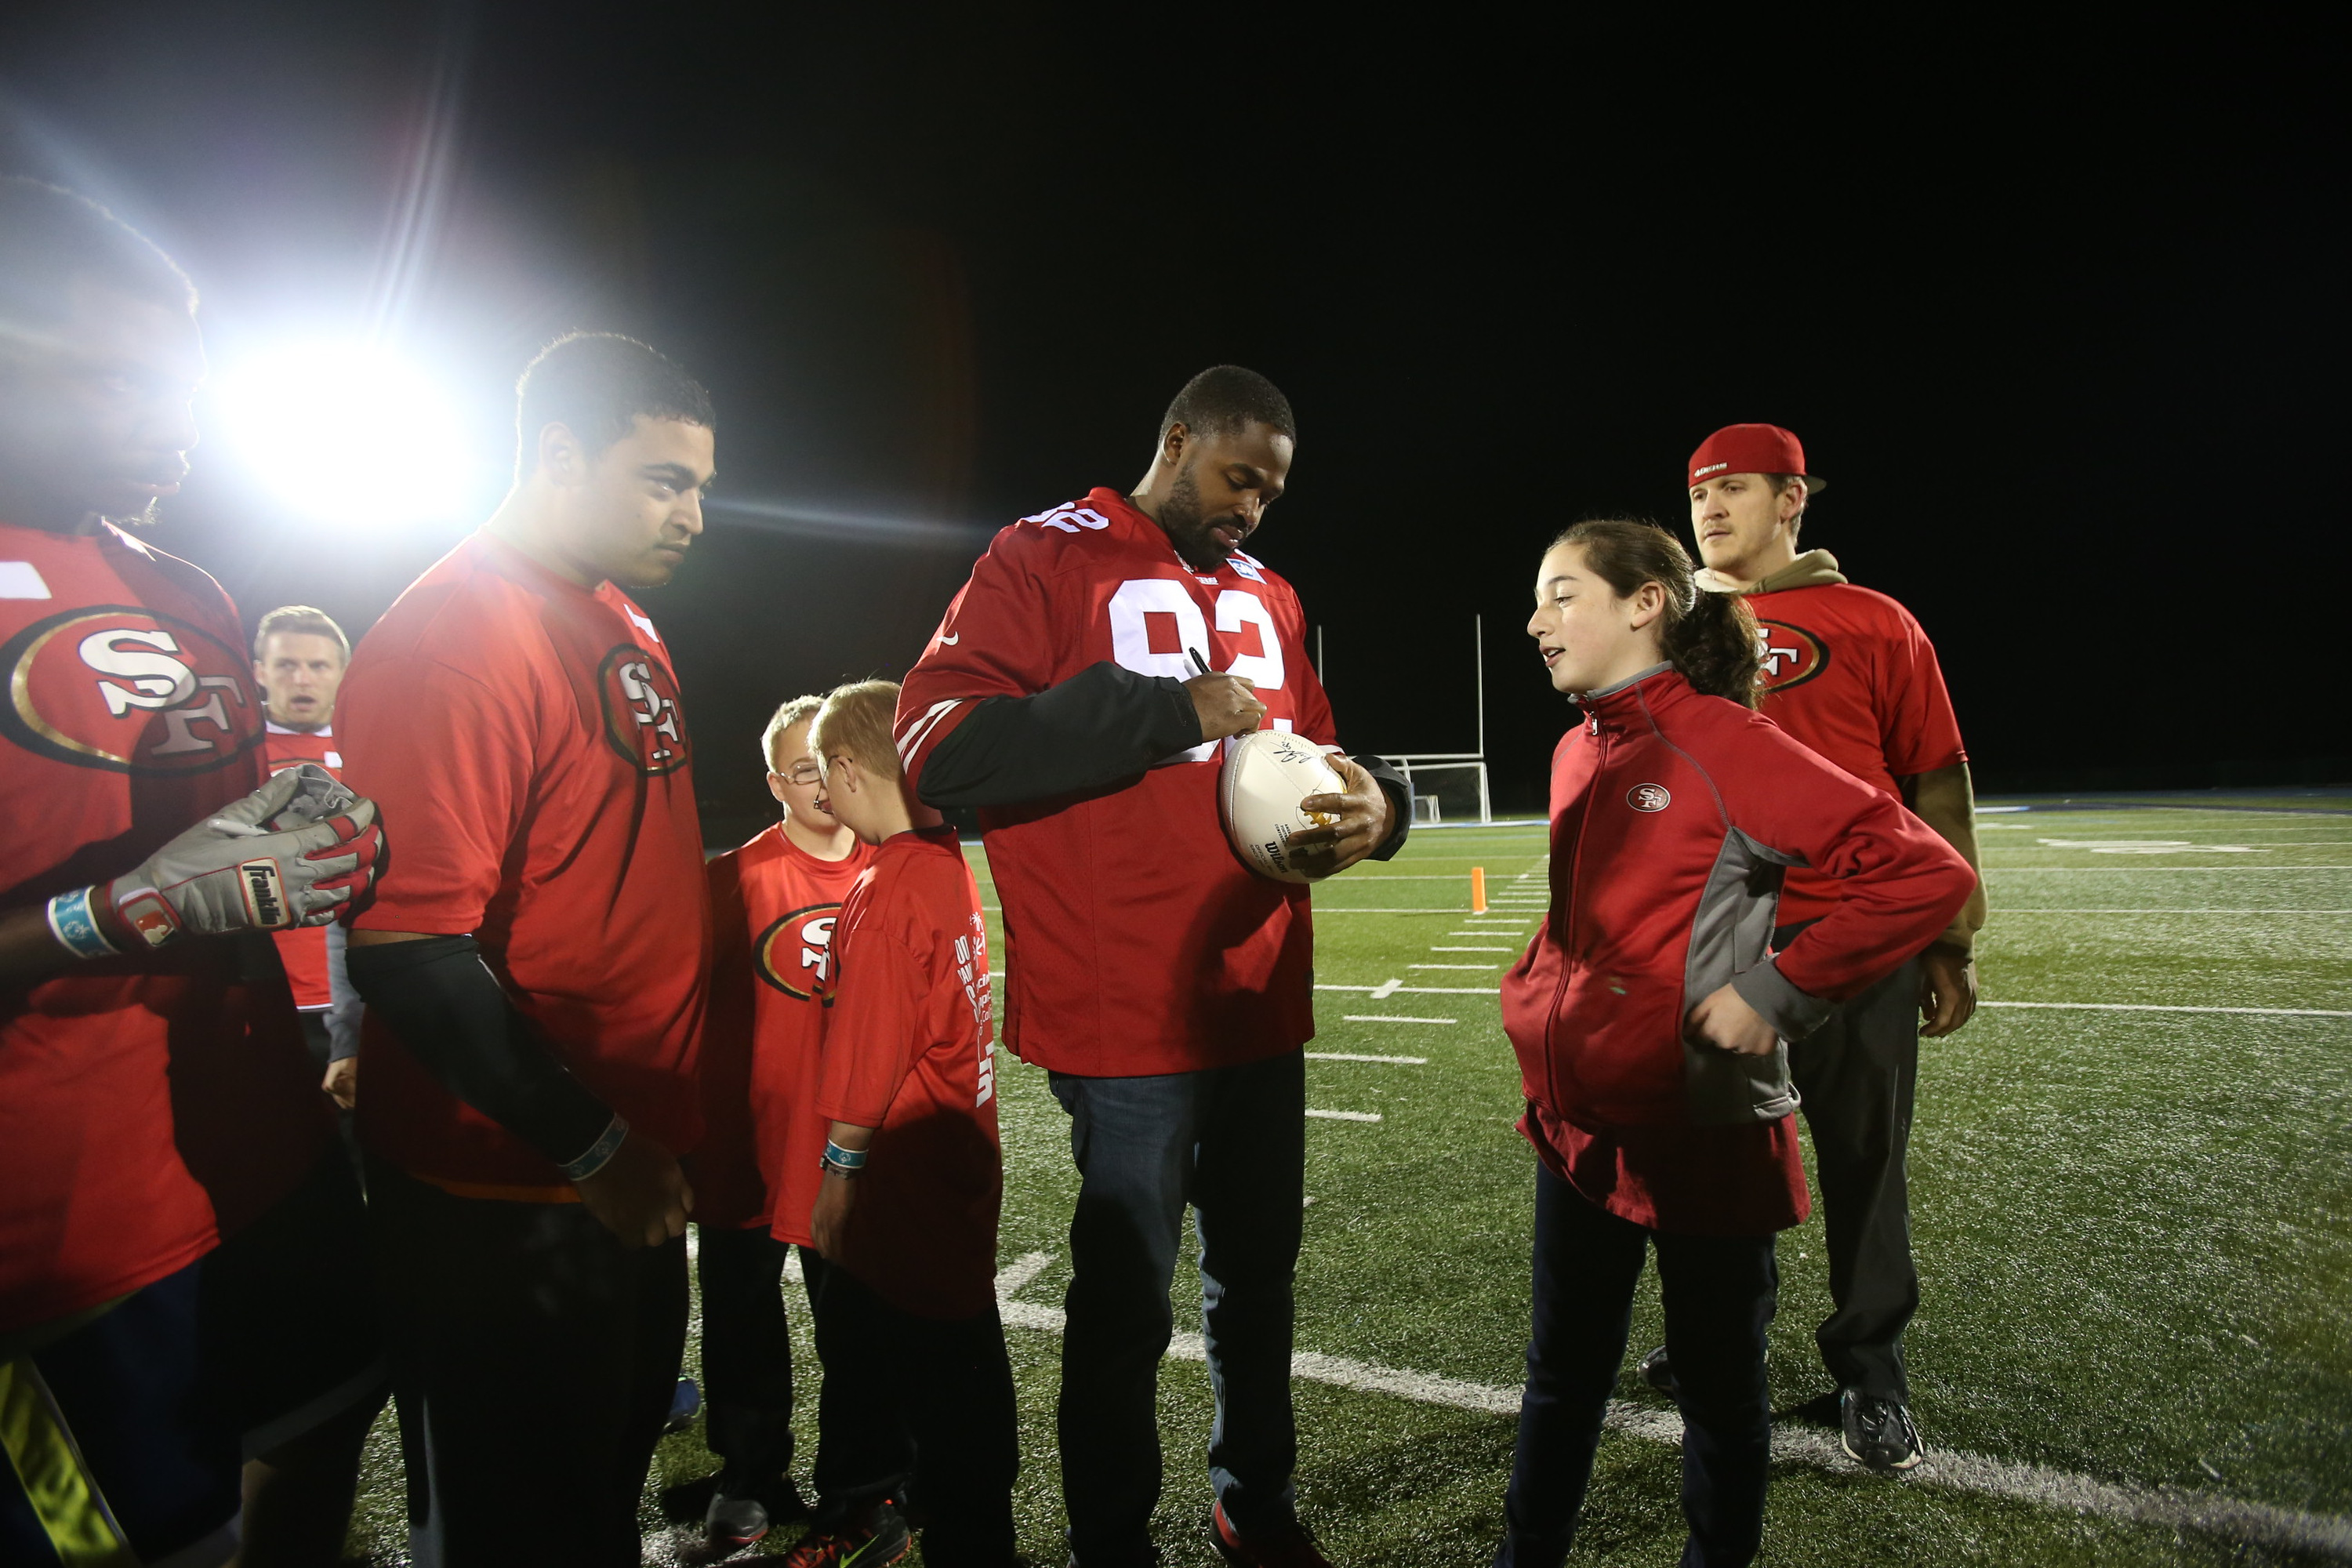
x: 450, y: 1011
x: 1102, y: 724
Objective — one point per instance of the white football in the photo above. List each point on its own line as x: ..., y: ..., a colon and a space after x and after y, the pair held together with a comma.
x: 1267, y: 774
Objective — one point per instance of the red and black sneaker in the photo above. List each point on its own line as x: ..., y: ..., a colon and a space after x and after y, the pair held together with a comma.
x: 875, y: 1541
x: 1286, y: 1546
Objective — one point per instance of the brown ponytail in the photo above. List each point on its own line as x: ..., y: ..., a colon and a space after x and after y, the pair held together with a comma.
x: 1709, y: 638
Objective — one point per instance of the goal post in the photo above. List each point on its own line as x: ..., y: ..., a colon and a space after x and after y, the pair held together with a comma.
x: 1455, y: 777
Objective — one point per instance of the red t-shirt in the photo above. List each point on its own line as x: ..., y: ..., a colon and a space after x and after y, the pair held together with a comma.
x: 303, y: 950
x: 906, y: 1052
x: 773, y: 905
x: 1138, y: 941
x: 524, y: 740
x: 147, y: 1103
x: 1851, y: 674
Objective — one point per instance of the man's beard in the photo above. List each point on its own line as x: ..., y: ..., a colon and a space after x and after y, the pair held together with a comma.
x: 1180, y: 516
x: 146, y: 517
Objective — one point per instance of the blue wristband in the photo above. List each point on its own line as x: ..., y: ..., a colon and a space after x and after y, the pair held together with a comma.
x: 76, y: 928
x: 848, y: 1161
x: 598, y: 1154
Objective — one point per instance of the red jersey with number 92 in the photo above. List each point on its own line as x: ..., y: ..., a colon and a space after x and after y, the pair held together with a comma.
x: 151, y: 1102
x: 1137, y: 942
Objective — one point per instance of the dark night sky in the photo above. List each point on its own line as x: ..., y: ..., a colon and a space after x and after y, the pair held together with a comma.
x: 2058, y: 320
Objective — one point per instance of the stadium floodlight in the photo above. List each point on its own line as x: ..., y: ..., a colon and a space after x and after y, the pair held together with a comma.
x: 346, y: 432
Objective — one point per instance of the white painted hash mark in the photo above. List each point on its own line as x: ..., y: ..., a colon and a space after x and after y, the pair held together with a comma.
x: 1015, y: 1276
x: 1386, y: 988
x: 1345, y: 1115
x: 1488, y: 968
x: 1354, y: 1057
x: 1472, y: 950
x: 1944, y: 1469
x: 1388, y: 1018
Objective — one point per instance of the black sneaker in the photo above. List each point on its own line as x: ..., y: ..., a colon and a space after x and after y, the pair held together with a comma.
x: 1657, y: 1372
x: 1878, y: 1432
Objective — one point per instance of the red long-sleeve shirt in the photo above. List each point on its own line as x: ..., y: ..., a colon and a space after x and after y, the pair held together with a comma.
x: 1674, y: 816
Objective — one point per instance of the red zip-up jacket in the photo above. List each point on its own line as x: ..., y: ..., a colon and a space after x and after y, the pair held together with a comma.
x: 1674, y: 816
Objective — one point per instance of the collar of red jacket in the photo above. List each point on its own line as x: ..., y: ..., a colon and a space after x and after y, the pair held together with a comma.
x: 1626, y: 704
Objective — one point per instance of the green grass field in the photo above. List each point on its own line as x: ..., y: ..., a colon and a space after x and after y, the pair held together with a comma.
x: 2134, y: 1228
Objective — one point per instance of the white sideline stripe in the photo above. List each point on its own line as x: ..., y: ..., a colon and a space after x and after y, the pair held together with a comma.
x: 2161, y: 1007
x: 1015, y: 1276
x: 1946, y: 1469
x: 1488, y: 967
x: 1353, y: 1056
x: 1389, y: 1018
x: 2008, y: 910
x: 1345, y: 1115
x: 2076, y: 1006
x: 2145, y: 870
x: 1474, y: 950
x: 1343, y: 910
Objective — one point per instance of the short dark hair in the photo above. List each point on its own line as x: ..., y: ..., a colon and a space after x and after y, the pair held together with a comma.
x: 1225, y: 398
x: 49, y: 236
x: 596, y: 385
x: 301, y: 620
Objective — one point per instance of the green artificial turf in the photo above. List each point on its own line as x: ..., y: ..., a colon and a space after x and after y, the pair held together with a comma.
x: 2134, y: 1229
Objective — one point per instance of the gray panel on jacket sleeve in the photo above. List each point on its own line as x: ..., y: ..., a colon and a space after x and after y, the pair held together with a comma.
x: 1730, y: 935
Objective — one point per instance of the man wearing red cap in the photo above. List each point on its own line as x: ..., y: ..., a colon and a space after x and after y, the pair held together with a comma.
x: 1850, y: 673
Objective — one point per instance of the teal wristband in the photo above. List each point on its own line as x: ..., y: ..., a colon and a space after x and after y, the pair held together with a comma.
x: 598, y: 1152
x: 74, y: 925
x: 841, y: 1161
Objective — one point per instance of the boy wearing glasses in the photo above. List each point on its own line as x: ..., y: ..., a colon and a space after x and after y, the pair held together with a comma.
x: 774, y: 902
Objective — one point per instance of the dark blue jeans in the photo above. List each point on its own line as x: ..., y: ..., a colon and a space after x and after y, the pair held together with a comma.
x: 1719, y: 1294
x: 1232, y: 1142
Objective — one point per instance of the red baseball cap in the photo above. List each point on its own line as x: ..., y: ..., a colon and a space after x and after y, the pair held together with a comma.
x: 1752, y: 449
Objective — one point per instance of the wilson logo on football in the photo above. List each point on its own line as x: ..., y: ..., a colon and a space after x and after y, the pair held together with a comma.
x: 642, y: 718
x: 1649, y: 797
x: 121, y: 688
x: 796, y: 954
x: 1787, y: 656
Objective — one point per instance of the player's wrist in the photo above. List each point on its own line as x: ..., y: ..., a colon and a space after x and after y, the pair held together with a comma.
x: 599, y: 1154
x: 83, y: 922
x: 837, y: 1160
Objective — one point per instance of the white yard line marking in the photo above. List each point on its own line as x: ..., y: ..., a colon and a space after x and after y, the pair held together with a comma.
x: 2161, y: 1007
x: 1343, y: 910
x: 1015, y: 1276
x: 2151, y: 870
x: 1389, y: 1018
x: 1344, y: 1115
x: 1390, y: 988
x: 1485, y: 966
x: 1946, y: 1469
x: 1474, y: 950
x: 1353, y: 1056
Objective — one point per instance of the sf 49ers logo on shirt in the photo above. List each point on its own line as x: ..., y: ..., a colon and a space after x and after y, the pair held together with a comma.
x: 796, y: 954
x: 1649, y: 797
x: 121, y: 688
x: 642, y: 718
x: 1787, y: 656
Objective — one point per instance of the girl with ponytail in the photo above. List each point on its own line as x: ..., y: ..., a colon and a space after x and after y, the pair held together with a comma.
x: 1651, y: 1016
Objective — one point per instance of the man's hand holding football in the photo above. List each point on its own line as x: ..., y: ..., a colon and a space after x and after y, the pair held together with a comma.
x: 1226, y: 704
x: 639, y: 1194
x: 1362, y: 818
x: 1723, y: 1019
x: 1947, y: 990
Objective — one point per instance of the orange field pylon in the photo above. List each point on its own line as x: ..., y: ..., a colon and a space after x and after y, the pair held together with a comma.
x: 1477, y: 890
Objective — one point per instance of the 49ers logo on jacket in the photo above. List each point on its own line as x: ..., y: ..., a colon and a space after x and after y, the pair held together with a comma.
x: 642, y: 718
x: 795, y: 954
x: 122, y: 688
x: 1787, y: 656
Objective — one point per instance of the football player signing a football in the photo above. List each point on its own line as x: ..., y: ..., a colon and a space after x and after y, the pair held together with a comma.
x: 1651, y: 1017
x: 179, y: 1287
x: 1849, y: 672
x: 1166, y: 987
x: 534, y: 964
